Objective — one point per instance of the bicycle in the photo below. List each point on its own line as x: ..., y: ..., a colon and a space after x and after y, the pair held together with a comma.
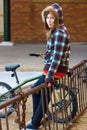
x: 67, y: 99
x: 9, y: 92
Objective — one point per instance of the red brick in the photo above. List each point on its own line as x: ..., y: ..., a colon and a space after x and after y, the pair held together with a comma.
x: 27, y: 26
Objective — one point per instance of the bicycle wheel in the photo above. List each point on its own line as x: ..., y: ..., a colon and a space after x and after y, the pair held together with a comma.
x: 4, y: 87
x: 63, y: 104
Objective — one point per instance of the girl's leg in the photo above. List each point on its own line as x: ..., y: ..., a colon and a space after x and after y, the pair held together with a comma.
x: 36, y: 97
x: 37, y: 104
x: 36, y: 119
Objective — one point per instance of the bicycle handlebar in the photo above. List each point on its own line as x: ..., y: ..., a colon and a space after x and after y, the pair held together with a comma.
x: 36, y: 54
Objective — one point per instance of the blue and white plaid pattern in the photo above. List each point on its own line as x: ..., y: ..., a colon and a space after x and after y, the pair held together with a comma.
x: 58, y: 51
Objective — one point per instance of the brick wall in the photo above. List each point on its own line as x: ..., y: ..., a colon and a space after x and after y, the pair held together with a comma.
x: 21, y: 20
x: 27, y: 26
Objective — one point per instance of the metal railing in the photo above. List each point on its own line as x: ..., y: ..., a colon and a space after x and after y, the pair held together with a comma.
x: 59, y: 109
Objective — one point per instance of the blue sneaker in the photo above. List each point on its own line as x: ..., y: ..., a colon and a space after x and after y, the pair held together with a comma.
x: 30, y: 129
x: 30, y: 126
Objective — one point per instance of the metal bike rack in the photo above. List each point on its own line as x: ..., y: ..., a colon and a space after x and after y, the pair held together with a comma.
x: 77, y: 81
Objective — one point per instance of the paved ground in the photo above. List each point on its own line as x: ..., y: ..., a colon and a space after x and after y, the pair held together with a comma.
x: 19, y: 53
x: 32, y: 66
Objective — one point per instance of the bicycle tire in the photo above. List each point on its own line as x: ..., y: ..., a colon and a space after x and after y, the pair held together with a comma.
x: 5, y: 88
x: 70, y: 103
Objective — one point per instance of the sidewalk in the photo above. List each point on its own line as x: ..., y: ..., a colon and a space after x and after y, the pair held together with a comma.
x: 19, y: 53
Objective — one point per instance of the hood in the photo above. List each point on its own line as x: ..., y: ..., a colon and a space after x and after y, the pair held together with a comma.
x: 55, y: 8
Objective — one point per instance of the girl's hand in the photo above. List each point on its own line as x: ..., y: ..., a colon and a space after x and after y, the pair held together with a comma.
x: 49, y: 85
x: 49, y: 82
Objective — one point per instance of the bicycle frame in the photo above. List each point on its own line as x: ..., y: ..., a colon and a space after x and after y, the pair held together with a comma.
x: 18, y: 86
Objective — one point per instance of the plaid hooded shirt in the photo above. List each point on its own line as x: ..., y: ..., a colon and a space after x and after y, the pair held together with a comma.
x: 56, y: 58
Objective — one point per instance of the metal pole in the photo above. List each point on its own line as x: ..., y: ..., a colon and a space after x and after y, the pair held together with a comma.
x: 6, y: 20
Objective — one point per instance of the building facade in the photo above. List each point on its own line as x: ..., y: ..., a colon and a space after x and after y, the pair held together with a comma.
x: 26, y: 23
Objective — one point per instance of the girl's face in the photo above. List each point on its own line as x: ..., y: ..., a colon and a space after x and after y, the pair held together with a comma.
x: 50, y: 20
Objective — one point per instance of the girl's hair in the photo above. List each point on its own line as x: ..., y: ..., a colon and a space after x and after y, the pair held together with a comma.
x: 56, y: 22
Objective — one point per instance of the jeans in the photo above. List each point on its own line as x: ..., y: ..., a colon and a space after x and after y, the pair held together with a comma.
x: 37, y: 102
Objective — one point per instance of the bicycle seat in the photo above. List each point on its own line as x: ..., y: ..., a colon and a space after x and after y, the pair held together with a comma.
x: 12, y: 67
